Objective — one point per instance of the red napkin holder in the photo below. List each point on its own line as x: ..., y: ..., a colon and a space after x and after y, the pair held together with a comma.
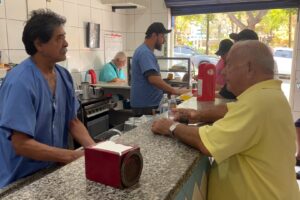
x: 112, y: 168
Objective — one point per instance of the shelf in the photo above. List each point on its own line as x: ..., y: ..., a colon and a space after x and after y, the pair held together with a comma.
x: 179, y: 67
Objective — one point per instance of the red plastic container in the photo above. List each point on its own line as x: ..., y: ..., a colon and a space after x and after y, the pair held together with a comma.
x: 206, y: 82
x: 93, y: 76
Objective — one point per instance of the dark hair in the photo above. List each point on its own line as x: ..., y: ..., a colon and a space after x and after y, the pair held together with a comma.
x: 40, y: 25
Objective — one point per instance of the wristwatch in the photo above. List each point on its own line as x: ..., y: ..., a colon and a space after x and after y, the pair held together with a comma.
x: 173, y: 127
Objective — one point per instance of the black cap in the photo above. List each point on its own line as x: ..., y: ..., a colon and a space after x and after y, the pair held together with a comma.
x: 246, y: 34
x: 157, y: 27
x: 224, y: 47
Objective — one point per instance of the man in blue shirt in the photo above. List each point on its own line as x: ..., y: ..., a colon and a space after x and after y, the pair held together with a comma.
x: 147, y: 86
x: 37, y: 104
x: 112, y: 71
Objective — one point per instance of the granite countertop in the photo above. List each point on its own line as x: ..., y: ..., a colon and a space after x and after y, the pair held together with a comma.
x: 167, y: 165
x: 118, y: 85
x: 194, y: 104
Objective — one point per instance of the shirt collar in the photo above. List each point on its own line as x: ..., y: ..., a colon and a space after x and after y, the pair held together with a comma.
x: 115, y: 66
x: 269, y: 84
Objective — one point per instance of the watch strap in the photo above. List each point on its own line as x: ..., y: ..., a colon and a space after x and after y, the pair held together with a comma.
x: 173, y: 127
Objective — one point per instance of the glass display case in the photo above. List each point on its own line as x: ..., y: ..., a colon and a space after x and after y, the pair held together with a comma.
x: 176, y: 71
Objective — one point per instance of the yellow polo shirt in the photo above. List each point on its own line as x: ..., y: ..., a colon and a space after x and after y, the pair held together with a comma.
x: 253, y: 147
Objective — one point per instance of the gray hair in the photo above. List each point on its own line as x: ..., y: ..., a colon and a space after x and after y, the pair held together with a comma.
x: 120, y: 56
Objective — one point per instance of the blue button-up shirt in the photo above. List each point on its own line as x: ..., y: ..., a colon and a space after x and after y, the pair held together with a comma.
x: 28, y: 106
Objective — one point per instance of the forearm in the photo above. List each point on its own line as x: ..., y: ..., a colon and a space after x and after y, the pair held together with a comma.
x: 212, y: 114
x: 80, y: 133
x: 190, y: 135
x: 116, y: 80
x: 161, y: 84
x: 30, y: 148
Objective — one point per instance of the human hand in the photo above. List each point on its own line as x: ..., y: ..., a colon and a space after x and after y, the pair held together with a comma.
x: 185, y: 115
x: 162, y: 126
x: 182, y: 91
x: 120, y: 80
x: 75, y: 154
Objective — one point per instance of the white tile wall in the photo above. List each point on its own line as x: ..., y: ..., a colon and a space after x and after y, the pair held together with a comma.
x: 84, y: 15
x: 130, y: 42
x: 5, y: 56
x: 82, y: 38
x: 141, y: 22
x: 72, y: 1
x: 73, y: 60
x: 138, y: 39
x: 71, y: 13
x: 87, y: 59
x: 2, y: 10
x: 14, y: 34
x: 96, y: 16
x: 72, y: 37
x: 3, y: 34
x: 56, y: 6
x: 16, y: 9
x: 85, y: 2
x: 119, y: 22
x: 102, y: 39
x: 124, y: 41
x: 107, y: 21
x: 130, y: 23
x: 163, y: 18
x: 17, y: 56
x: 35, y: 4
x: 158, y: 6
x: 147, y: 9
x: 96, y: 4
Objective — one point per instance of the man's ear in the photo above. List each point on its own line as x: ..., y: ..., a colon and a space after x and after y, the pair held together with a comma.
x: 38, y: 44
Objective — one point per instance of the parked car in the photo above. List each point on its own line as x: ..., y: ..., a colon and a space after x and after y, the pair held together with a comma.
x: 184, y: 51
x: 283, y: 58
x: 196, y: 57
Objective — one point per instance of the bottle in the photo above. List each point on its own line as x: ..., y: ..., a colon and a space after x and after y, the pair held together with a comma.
x: 206, y: 82
x: 172, y: 104
x: 164, y: 104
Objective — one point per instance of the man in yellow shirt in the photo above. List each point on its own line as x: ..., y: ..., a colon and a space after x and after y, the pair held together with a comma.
x: 253, y: 139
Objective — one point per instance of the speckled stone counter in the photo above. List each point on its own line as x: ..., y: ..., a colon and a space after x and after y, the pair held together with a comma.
x: 194, y: 104
x: 167, y: 166
x: 115, y: 88
x: 123, y: 85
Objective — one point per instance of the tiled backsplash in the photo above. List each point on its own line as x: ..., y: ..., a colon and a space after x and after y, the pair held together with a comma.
x: 131, y: 24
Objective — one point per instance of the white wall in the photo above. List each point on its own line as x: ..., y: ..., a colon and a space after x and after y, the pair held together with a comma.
x: 295, y: 76
x: 132, y: 24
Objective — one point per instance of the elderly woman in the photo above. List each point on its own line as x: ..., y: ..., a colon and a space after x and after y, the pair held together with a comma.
x: 112, y: 71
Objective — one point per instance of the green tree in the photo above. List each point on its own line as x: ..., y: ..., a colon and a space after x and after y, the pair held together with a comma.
x: 182, y: 27
x: 250, y: 18
x: 276, y: 26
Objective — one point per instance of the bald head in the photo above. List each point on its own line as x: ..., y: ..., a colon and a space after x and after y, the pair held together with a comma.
x: 256, y: 53
x: 248, y: 62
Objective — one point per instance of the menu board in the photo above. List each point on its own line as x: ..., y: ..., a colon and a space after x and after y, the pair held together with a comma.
x: 113, y: 43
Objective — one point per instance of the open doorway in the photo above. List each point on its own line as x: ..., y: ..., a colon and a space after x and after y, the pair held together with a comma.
x: 198, y: 36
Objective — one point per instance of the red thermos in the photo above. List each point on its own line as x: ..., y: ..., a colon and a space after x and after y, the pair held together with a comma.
x: 93, y: 76
x: 206, y: 82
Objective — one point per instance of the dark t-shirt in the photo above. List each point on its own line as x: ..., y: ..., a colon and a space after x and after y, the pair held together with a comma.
x: 226, y: 94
